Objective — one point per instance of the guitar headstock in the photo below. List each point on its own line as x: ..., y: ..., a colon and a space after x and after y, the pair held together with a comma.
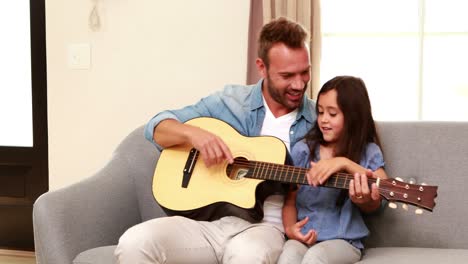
x: 395, y: 190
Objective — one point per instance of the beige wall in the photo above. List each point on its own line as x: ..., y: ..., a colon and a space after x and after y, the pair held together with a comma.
x: 149, y: 55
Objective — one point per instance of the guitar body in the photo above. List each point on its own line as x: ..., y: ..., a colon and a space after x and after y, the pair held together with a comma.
x: 214, y: 192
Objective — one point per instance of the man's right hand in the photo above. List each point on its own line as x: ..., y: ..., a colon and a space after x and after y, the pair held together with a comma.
x: 212, y: 148
x: 294, y: 232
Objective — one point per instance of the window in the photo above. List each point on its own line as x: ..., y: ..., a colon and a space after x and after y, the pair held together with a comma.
x: 23, y: 117
x: 411, y: 54
x: 15, y: 84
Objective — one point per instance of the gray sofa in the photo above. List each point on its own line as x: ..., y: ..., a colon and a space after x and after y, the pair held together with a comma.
x: 83, y: 222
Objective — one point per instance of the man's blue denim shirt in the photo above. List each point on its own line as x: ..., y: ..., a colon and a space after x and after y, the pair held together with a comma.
x: 240, y: 106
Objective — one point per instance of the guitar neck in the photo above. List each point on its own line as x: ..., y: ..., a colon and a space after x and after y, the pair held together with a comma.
x: 291, y: 174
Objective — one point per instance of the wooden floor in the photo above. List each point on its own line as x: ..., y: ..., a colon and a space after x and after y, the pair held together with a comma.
x: 16, y: 257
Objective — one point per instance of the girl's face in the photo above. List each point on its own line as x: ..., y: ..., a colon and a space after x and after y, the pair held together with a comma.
x: 330, y: 118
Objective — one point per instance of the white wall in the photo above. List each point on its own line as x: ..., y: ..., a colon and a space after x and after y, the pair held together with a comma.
x: 149, y: 55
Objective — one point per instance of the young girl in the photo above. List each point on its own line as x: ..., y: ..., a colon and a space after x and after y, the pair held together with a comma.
x: 324, y: 225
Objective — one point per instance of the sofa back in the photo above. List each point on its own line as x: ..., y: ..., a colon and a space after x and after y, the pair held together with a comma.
x: 141, y: 157
x: 435, y: 153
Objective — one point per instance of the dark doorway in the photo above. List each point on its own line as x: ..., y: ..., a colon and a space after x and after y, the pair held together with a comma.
x: 24, y: 169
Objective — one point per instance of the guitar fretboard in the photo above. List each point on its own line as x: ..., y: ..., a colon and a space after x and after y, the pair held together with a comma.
x: 290, y: 174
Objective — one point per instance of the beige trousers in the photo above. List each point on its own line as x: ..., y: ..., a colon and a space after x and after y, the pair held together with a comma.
x: 336, y: 251
x: 181, y: 240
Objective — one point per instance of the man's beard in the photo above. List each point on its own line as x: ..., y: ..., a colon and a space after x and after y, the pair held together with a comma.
x: 281, y: 98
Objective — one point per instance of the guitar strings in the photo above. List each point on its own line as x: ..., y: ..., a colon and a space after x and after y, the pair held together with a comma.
x: 288, y: 169
x: 340, y: 176
x: 291, y: 169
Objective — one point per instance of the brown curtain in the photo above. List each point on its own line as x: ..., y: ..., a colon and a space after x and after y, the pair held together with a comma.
x: 306, y: 12
x: 255, y: 24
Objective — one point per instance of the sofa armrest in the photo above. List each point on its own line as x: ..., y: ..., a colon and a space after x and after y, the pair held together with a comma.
x: 98, y: 210
x: 91, y: 213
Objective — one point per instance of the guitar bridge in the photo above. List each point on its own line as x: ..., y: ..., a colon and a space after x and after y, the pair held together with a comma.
x: 188, y: 168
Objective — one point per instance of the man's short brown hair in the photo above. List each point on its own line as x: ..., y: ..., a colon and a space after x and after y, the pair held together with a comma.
x: 281, y: 30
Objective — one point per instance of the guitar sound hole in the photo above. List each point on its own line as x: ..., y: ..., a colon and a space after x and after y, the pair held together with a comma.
x: 238, y: 170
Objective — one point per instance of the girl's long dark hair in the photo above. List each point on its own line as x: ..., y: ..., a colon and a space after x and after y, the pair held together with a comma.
x: 359, y: 126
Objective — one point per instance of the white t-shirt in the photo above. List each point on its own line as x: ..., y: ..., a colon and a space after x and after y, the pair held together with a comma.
x: 280, y: 128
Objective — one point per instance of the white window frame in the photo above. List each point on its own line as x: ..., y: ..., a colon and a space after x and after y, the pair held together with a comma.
x: 421, y: 35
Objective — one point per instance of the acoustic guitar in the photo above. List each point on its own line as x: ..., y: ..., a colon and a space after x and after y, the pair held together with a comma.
x: 183, y: 185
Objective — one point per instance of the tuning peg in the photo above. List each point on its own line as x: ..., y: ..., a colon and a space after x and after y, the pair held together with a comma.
x: 399, y: 179
x: 392, y: 205
x: 404, y: 206
x: 412, y: 180
x: 420, y: 211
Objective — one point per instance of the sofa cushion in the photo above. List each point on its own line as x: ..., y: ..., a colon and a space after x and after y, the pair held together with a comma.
x: 99, y: 255
x: 396, y: 255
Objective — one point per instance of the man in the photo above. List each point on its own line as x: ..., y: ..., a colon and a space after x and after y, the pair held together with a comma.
x: 276, y: 106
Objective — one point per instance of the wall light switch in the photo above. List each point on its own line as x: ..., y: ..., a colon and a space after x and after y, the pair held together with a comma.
x: 79, y: 56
